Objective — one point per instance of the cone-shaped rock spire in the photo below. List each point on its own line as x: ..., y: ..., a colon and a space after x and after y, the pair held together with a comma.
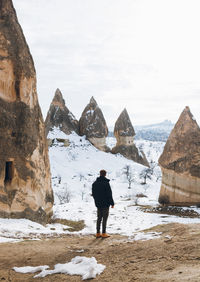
x: 93, y: 101
x: 58, y: 99
x: 123, y: 125
x: 92, y: 124
x: 60, y: 116
x: 124, y: 133
x: 25, y: 182
x: 180, y: 162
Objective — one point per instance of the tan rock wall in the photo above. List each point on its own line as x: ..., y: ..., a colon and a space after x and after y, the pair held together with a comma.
x: 125, y: 140
x: 25, y: 180
x: 99, y: 143
x: 182, y: 189
x: 7, y: 87
x: 126, y: 147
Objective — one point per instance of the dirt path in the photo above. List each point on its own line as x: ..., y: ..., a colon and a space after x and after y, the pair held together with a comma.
x: 163, y: 259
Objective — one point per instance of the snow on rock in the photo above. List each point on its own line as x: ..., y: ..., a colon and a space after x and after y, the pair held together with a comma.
x: 88, y: 268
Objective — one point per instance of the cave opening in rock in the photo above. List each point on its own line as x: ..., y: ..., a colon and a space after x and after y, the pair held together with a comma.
x: 17, y: 89
x: 9, y: 169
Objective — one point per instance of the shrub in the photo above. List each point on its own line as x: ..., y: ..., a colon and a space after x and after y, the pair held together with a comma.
x: 64, y: 195
x: 141, y: 195
x: 145, y: 174
x: 72, y: 225
x: 129, y: 175
x: 164, y: 200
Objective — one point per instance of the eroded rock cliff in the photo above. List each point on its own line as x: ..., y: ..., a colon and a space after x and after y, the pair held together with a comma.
x: 180, y: 162
x: 25, y: 181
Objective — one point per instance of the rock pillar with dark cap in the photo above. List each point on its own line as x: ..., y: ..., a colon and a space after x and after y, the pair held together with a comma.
x: 180, y: 162
x: 25, y: 180
x: 124, y: 133
x: 92, y: 124
x: 59, y: 116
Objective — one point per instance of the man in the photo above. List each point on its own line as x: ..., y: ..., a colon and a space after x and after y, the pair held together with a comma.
x: 102, y: 195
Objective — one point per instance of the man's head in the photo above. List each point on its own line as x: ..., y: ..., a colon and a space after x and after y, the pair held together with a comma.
x: 102, y: 172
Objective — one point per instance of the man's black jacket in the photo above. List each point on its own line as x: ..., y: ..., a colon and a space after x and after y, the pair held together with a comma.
x: 102, y: 193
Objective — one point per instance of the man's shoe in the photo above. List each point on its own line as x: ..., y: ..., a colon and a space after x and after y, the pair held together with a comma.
x: 105, y: 235
x: 98, y: 235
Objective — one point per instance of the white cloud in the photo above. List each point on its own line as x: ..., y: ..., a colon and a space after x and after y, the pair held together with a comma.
x: 139, y: 54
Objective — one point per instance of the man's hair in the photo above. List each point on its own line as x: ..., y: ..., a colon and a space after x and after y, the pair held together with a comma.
x: 102, y: 172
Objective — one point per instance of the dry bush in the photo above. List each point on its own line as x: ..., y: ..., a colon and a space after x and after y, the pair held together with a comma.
x: 164, y: 200
x: 73, y: 225
x: 141, y: 195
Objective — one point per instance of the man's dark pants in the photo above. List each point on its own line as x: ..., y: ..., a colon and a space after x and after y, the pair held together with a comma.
x: 102, y: 213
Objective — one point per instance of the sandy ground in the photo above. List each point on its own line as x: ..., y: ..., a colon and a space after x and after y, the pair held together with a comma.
x: 163, y: 259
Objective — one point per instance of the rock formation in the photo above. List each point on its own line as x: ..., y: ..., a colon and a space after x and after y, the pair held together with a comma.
x: 93, y: 125
x: 124, y: 133
x: 59, y: 116
x: 180, y: 163
x: 25, y: 180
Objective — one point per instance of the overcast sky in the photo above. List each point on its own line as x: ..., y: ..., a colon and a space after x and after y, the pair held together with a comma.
x: 143, y: 55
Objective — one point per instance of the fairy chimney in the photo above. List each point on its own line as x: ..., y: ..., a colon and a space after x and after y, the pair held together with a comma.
x: 59, y: 116
x: 25, y: 180
x: 124, y: 133
x: 180, y: 163
x: 93, y: 125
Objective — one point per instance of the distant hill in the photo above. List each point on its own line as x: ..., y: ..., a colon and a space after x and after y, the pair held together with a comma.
x: 153, y: 132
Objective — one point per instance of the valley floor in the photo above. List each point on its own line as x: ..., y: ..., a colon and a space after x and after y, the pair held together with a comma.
x: 174, y: 256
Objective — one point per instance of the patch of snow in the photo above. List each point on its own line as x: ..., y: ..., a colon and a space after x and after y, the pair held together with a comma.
x: 79, y: 251
x: 90, y: 112
x: 9, y: 240
x: 30, y: 269
x: 168, y: 237
x: 88, y: 268
x: 71, y: 116
x: 56, y: 133
x: 147, y: 236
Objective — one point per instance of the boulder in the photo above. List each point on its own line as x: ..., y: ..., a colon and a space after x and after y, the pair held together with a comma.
x: 59, y: 116
x: 25, y: 180
x: 180, y: 163
x: 124, y: 133
x: 92, y: 124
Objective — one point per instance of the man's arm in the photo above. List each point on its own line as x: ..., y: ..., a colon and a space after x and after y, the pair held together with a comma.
x: 93, y: 190
x: 109, y: 194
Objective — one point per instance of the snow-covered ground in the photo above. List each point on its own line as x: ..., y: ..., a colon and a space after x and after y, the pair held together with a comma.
x: 74, y: 169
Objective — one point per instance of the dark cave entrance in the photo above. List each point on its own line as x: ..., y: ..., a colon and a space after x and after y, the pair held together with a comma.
x: 9, y: 172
